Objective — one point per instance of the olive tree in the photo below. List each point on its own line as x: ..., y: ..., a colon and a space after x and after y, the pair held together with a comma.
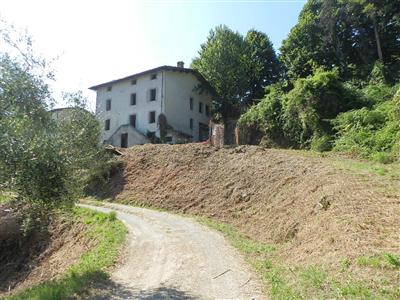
x: 42, y: 159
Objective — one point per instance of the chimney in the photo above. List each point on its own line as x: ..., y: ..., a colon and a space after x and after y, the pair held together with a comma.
x: 180, y: 64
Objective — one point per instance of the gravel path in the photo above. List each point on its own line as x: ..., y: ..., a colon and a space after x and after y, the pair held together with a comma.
x: 173, y: 257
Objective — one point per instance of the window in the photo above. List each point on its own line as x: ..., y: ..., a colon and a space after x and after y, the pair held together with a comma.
x: 107, y: 124
x: 108, y: 104
x: 207, y: 110
x: 133, y: 81
x: 191, y: 103
x: 191, y: 123
x: 153, y: 76
x: 132, y: 120
x: 133, y: 99
x: 200, y: 107
x: 152, y: 117
x: 168, y: 139
x: 109, y: 88
x: 153, y: 94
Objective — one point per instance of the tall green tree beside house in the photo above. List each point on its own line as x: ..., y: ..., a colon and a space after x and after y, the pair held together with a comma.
x: 265, y: 67
x: 237, y: 68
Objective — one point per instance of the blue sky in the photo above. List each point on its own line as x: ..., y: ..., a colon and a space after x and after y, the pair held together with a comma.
x: 98, y: 41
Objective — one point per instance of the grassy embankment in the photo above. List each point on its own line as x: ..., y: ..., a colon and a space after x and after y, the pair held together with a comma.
x: 285, y: 282
x: 109, y: 234
x: 356, y: 165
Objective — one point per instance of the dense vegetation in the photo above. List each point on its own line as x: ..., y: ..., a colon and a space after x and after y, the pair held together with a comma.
x: 43, y: 160
x: 237, y: 67
x: 333, y: 85
x: 350, y: 35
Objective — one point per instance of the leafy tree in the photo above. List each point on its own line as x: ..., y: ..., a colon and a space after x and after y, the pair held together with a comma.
x: 348, y: 35
x: 265, y: 67
x: 223, y: 63
x: 41, y: 159
x: 237, y: 68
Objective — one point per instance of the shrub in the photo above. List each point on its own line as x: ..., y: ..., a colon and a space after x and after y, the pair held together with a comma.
x: 377, y: 93
x: 369, y: 132
x: 383, y: 157
x: 312, y: 102
x: 301, y: 116
x: 98, y: 180
x: 396, y: 103
x: 321, y: 143
x: 263, y: 120
x: 112, y: 216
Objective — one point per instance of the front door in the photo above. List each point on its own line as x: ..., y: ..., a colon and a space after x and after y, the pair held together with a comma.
x: 124, y: 140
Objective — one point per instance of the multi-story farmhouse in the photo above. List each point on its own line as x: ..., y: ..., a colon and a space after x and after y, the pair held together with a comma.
x: 132, y: 110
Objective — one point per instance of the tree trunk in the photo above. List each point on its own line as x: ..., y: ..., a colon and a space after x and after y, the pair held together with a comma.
x: 377, y: 39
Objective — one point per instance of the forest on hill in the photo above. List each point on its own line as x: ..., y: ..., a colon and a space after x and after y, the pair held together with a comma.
x: 334, y: 85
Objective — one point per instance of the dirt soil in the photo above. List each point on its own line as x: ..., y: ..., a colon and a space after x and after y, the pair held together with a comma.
x: 313, y: 210
x: 172, y: 257
x: 27, y: 260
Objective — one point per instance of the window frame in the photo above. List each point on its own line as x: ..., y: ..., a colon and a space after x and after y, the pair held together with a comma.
x: 153, y: 76
x: 108, y: 104
x: 155, y: 95
x: 152, y: 117
x: 132, y: 117
x: 191, y: 103
x: 107, y: 125
x: 133, y: 97
x: 133, y: 81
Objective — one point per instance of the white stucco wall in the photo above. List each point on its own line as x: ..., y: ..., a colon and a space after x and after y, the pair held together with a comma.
x: 179, y: 88
x: 121, y: 107
x: 174, y: 90
x: 134, y: 137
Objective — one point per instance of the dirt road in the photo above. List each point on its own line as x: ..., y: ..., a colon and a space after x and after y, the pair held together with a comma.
x: 172, y: 257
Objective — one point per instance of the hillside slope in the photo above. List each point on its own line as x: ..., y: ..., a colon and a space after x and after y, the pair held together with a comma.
x: 28, y: 259
x: 314, y: 211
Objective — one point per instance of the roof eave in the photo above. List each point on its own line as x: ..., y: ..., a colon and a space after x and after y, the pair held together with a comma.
x: 170, y: 68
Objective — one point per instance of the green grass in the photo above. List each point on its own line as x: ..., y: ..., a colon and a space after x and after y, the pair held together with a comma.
x: 5, y: 196
x: 369, y: 167
x: 382, y: 261
x: 238, y: 240
x: 282, y: 281
x: 110, y: 234
x: 358, y: 166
